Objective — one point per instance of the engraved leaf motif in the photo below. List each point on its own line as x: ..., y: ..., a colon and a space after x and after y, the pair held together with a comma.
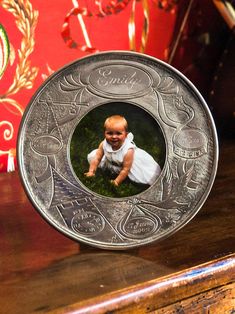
x: 185, y: 179
x: 175, y: 187
x: 167, y: 186
x: 167, y: 85
x: 70, y: 84
x: 144, y: 217
x: 184, y: 108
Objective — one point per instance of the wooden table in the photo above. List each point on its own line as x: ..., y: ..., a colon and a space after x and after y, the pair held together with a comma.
x: 193, y: 271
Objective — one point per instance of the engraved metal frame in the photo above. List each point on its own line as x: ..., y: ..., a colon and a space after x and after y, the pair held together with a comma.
x: 121, y: 223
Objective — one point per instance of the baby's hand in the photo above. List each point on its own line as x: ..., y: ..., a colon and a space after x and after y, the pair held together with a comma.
x: 114, y: 182
x: 89, y: 174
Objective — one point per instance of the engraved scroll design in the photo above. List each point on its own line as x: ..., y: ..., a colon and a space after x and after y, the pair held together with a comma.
x: 77, y: 209
x: 178, y: 188
x: 178, y: 182
x: 145, y: 217
x: 49, y: 138
x: 109, y: 81
x: 188, y: 142
x: 74, y: 206
x: 72, y: 86
x: 139, y: 222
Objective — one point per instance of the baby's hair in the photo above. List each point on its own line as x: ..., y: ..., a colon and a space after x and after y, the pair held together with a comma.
x: 116, y: 118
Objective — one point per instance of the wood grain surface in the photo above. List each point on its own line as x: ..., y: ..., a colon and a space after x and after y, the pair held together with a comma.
x: 42, y: 271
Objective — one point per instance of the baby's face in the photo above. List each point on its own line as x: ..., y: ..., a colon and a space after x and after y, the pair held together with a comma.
x: 115, y: 134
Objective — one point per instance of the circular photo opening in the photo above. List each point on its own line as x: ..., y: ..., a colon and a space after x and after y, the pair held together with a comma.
x: 117, y: 150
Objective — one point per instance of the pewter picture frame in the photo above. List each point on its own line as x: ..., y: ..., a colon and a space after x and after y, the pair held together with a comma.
x: 117, y: 79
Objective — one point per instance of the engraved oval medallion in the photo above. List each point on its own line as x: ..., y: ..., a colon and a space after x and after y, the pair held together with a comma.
x: 120, y: 81
x: 88, y: 223
x: 140, y: 227
x: 190, y: 143
x: 46, y: 145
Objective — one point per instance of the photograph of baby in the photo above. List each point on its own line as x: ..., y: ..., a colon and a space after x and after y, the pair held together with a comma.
x: 119, y: 154
x: 117, y: 166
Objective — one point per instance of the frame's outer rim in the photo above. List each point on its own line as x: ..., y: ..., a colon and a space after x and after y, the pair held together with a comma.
x: 91, y: 241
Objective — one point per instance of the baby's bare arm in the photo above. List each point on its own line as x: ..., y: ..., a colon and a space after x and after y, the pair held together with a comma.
x: 95, y: 162
x: 127, y: 163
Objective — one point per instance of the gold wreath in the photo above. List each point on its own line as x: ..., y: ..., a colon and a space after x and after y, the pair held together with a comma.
x: 26, y: 20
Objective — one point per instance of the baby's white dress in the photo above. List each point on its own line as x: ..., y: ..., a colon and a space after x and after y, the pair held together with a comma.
x: 144, y: 168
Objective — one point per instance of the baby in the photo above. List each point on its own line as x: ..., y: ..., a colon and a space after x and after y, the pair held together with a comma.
x: 118, y: 153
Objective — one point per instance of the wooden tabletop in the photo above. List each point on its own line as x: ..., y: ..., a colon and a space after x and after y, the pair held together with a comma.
x: 42, y: 271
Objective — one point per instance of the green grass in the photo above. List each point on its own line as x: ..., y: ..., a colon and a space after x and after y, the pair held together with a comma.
x: 89, y: 133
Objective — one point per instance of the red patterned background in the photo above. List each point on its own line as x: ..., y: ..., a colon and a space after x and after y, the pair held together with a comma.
x: 38, y: 37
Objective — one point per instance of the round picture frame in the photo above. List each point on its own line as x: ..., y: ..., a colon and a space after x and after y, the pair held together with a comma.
x: 62, y: 103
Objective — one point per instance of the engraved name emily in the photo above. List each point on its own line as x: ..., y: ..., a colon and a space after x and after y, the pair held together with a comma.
x: 108, y: 78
